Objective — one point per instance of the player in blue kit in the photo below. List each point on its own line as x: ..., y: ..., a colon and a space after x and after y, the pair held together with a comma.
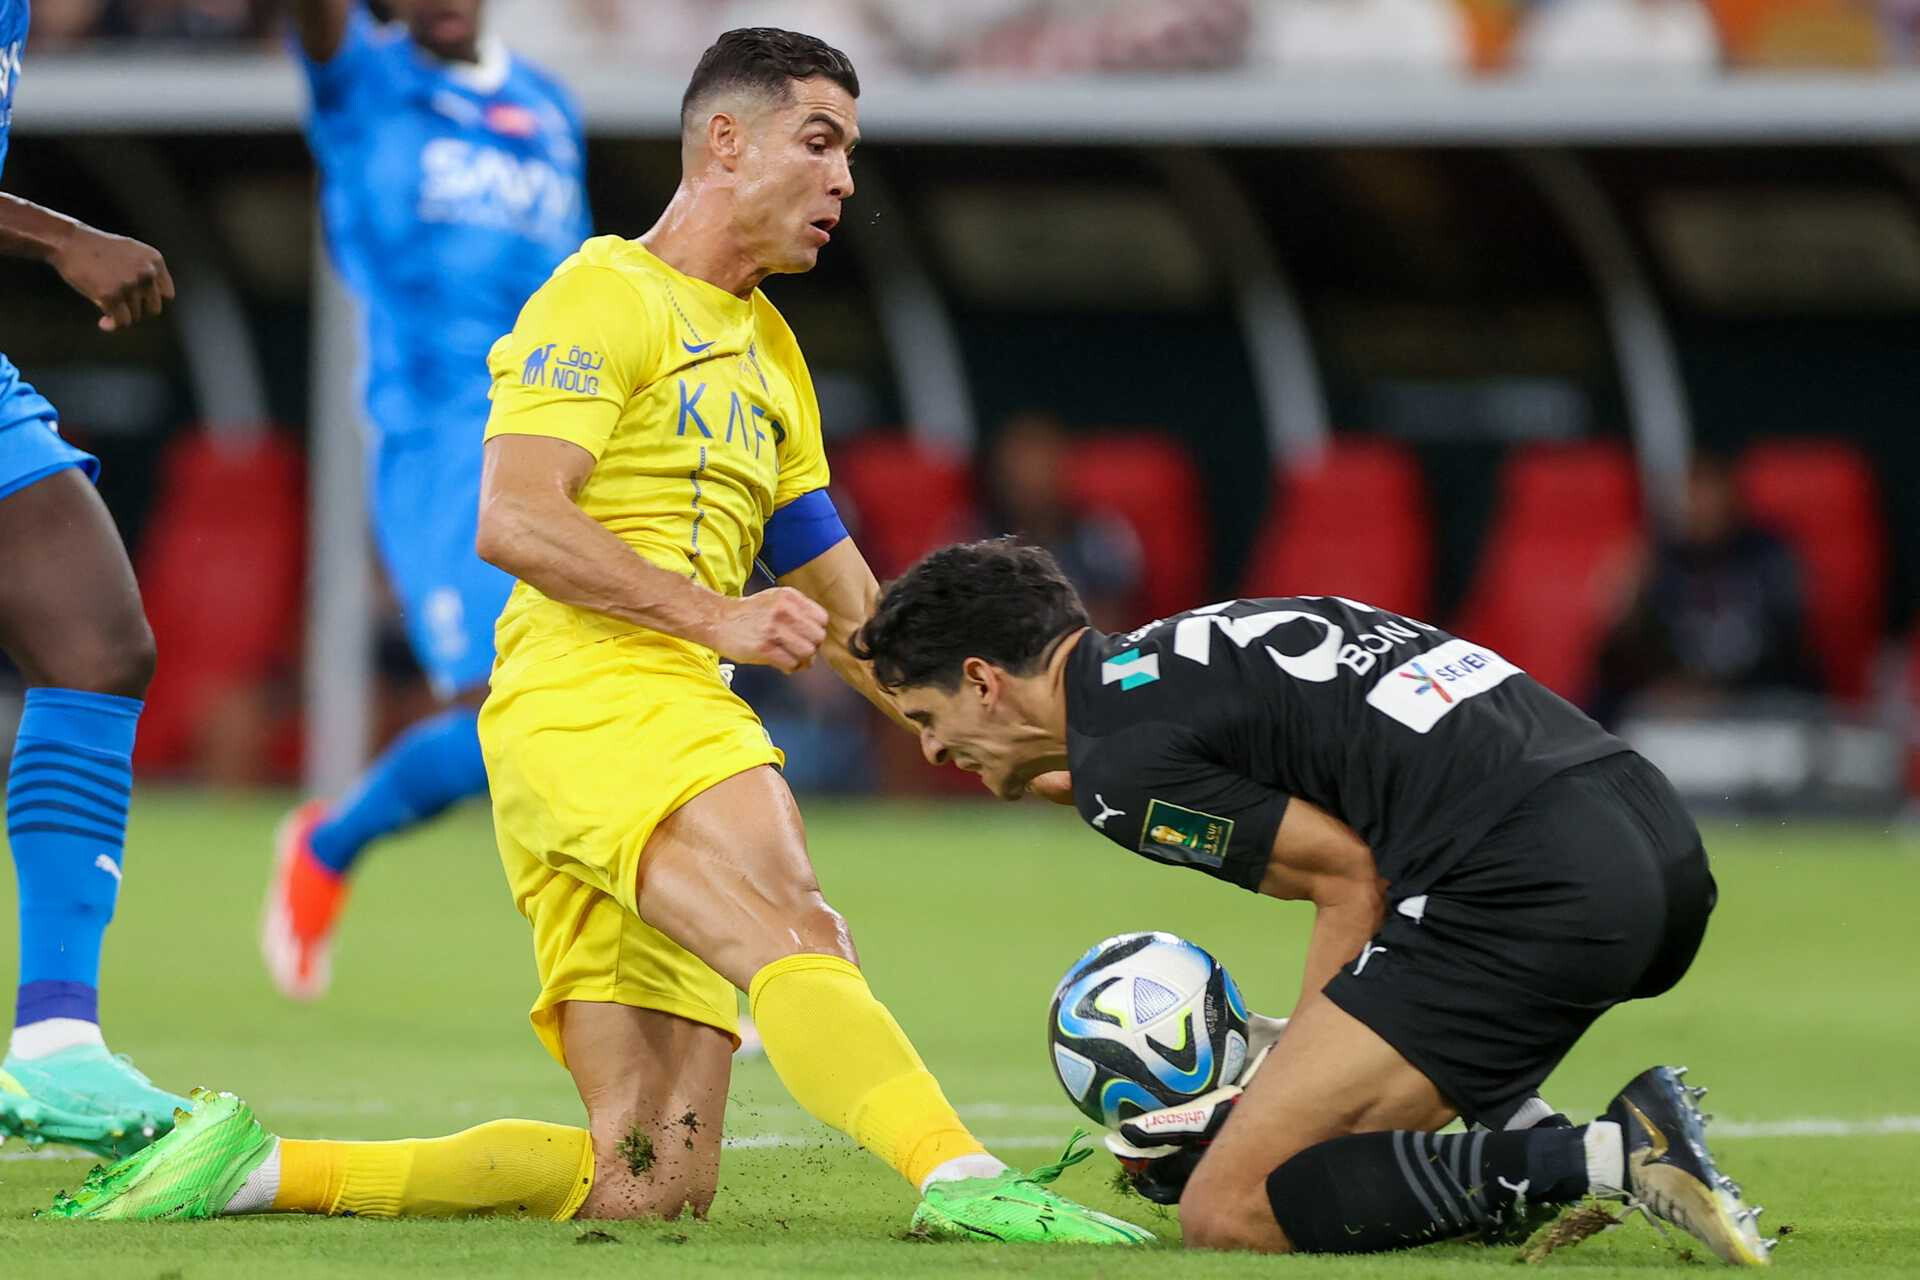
x: 451, y: 186
x: 71, y: 621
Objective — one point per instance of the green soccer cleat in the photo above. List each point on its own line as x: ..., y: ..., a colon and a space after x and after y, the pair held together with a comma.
x: 1017, y: 1207
x: 84, y: 1097
x: 193, y: 1172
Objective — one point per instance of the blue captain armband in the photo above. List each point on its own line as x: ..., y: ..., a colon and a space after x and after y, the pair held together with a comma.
x: 800, y: 531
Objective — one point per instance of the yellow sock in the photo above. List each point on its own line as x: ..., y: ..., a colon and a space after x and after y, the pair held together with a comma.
x: 845, y: 1059
x: 506, y: 1166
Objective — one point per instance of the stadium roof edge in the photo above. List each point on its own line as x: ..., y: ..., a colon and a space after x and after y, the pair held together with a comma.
x: 244, y: 93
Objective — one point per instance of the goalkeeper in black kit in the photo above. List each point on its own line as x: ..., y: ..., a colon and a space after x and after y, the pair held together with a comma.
x: 1490, y: 870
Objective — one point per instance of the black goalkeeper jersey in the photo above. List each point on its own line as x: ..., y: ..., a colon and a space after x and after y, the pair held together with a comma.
x: 1187, y: 737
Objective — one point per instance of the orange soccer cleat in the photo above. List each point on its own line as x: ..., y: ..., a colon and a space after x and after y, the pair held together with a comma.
x: 303, y: 905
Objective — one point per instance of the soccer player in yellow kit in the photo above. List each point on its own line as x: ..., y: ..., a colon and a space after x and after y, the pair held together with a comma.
x: 654, y: 432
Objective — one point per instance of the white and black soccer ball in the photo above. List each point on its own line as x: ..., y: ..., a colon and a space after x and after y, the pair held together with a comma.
x: 1144, y: 1021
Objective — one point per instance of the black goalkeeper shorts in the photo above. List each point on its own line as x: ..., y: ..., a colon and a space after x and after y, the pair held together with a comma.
x: 1594, y: 890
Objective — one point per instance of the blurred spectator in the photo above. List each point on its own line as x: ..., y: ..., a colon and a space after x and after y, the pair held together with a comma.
x: 670, y: 35
x: 1055, y: 36
x: 64, y: 23
x: 881, y: 35
x: 1786, y: 35
x: 1900, y: 21
x: 1666, y: 36
x: 1026, y: 469
x: 196, y: 19
x: 1351, y: 35
x: 1719, y: 611
x: 60, y: 24
x: 563, y: 33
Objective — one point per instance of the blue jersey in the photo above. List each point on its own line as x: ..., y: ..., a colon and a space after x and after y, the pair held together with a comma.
x: 19, y: 402
x: 13, y: 43
x: 449, y: 194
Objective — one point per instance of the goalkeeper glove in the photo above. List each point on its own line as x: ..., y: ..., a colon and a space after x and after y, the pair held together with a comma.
x: 1159, y: 1150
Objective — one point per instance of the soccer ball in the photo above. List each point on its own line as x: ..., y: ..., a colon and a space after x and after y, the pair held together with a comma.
x: 1144, y: 1021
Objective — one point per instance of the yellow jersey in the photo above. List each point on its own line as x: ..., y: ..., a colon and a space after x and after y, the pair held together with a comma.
x: 695, y: 404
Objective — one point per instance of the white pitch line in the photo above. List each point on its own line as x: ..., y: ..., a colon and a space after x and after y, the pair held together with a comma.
x: 1811, y: 1127
x: 760, y: 1141
x: 1804, y: 1127
x: 1814, y: 1127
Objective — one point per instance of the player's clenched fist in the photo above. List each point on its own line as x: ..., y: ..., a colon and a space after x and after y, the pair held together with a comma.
x: 127, y: 280
x: 778, y: 628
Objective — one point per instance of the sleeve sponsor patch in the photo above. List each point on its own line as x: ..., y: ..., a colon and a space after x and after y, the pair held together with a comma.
x: 1421, y: 690
x: 578, y: 371
x: 1173, y: 834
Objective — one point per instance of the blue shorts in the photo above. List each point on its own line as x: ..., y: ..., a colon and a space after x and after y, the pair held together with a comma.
x: 425, y: 499
x: 30, y: 445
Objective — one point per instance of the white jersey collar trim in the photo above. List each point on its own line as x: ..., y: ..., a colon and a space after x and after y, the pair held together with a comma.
x: 486, y: 75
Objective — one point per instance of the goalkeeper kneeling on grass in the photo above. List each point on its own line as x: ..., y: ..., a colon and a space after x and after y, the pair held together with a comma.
x: 1490, y: 872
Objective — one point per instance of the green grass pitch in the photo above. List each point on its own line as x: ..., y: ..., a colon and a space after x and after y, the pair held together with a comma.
x: 1801, y: 1009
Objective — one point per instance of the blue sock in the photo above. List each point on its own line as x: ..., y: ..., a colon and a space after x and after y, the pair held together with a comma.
x: 428, y: 767
x: 67, y: 795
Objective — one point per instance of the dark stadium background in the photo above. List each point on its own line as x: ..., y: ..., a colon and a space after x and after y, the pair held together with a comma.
x: 1487, y: 270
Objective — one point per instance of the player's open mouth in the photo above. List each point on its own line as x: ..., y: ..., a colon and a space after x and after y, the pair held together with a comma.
x: 825, y: 227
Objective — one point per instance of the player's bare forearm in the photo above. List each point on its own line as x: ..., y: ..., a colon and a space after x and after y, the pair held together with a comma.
x: 859, y: 676
x: 127, y: 280
x: 1341, y: 930
x: 31, y: 231
x: 1319, y: 859
x: 840, y: 581
x: 321, y: 25
x: 531, y: 527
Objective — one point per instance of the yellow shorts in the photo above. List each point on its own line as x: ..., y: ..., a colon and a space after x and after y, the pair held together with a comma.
x: 586, y: 754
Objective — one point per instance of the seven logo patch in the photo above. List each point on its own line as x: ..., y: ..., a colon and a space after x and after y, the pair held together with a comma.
x: 1421, y: 690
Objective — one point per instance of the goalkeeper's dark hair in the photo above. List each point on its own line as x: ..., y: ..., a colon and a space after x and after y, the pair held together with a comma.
x: 765, y: 60
x: 1000, y: 600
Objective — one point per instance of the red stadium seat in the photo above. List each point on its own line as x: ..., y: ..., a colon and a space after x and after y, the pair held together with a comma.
x: 1150, y: 481
x: 902, y: 498
x: 1353, y: 523
x: 1821, y: 496
x: 1554, y: 565
x: 221, y: 569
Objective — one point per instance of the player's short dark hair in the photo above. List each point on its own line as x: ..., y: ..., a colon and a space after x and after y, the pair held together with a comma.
x: 766, y: 60
x: 1000, y: 600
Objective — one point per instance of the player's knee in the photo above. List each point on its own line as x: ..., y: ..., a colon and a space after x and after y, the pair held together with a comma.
x: 115, y: 657
x: 818, y: 928
x: 1221, y: 1218
x: 139, y: 658
x: 700, y: 1199
x: 623, y: 1196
